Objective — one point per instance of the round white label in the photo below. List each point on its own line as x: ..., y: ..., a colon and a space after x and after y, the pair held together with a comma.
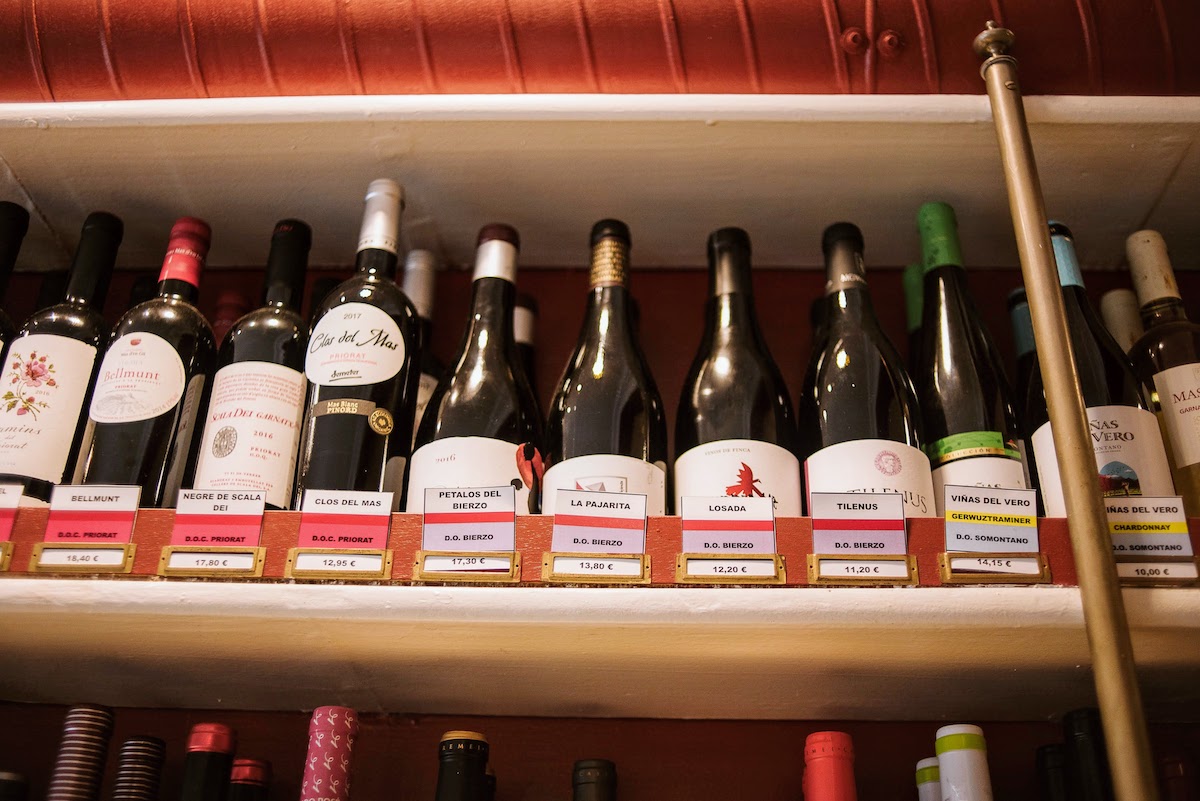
x: 606, y: 472
x: 140, y: 378
x: 874, y: 465
x: 353, y: 345
x: 1178, y: 391
x: 740, y: 468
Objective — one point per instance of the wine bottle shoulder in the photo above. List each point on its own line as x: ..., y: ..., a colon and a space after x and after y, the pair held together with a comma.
x: 68, y: 320
x: 373, y: 291
x: 269, y: 334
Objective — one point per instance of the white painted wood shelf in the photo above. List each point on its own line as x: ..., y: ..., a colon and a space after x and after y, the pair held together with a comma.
x: 978, y: 653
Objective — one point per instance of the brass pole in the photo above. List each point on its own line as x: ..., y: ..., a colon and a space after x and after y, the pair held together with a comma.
x: 1103, y: 608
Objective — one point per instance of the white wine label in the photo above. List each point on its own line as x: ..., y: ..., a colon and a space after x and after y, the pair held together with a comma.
x: 94, y: 513
x: 425, y: 387
x: 466, y: 462
x: 588, y: 521
x: 253, y: 430
x: 740, y: 468
x: 874, y: 465
x: 989, y: 520
x: 997, y: 472
x: 607, y: 473
x: 722, y: 525
x: 344, y: 519
x: 140, y: 378
x: 858, y: 523
x: 469, y: 519
x: 1129, y: 455
x: 1148, y: 527
x: 1179, y: 398
x: 353, y: 345
x: 45, y: 383
x: 208, y: 517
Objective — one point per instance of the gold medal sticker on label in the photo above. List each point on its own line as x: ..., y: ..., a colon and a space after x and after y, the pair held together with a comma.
x: 381, y: 421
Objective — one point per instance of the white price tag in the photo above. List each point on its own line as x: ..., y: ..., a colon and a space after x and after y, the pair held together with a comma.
x: 617, y: 566
x: 990, y: 520
x: 237, y: 562
x: 445, y: 563
x: 733, y: 567
x: 470, y: 519
x: 721, y: 525
x: 1012, y: 565
x: 1151, y: 571
x: 1145, y: 526
x: 862, y: 569
x: 858, y: 523
x: 82, y: 557
x: 599, y: 522
x: 334, y: 562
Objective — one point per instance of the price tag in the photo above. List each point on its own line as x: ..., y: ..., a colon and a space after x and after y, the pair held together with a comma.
x: 347, y: 564
x: 990, y: 520
x: 200, y: 561
x: 1145, y: 526
x: 10, y: 499
x: 52, y: 557
x: 345, y: 519
x: 218, y: 517
x: 599, y: 522
x: 707, y: 568
x: 1154, y: 572
x: 862, y: 570
x: 595, y: 568
x: 470, y: 519
x: 858, y: 523
x: 100, y: 514
x: 468, y: 566
x: 722, y: 525
x: 994, y: 568
x: 447, y: 563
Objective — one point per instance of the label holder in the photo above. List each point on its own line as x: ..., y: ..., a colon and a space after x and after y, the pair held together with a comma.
x: 950, y: 576
x: 6, y: 549
x: 1158, y: 581
x: 128, y: 550
x: 164, y: 562
x: 513, y: 576
x: 777, y: 578
x: 908, y: 560
x: 383, y: 574
x: 550, y: 576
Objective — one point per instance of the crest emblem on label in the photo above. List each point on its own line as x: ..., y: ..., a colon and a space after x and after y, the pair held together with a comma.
x: 224, y: 442
x: 888, y: 463
x: 381, y: 421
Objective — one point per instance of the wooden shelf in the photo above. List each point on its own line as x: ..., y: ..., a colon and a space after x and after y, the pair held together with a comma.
x: 969, y: 653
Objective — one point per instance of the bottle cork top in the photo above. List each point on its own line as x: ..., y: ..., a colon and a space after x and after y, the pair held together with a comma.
x: 827, y: 744
x: 959, y: 737
x: 214, y: 737
x: 1150, y: 266
x: 463, y: 735
x: 939, y: 235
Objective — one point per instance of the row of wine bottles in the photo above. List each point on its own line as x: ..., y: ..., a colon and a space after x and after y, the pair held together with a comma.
x: 1074, y: 770
x: 343, y: 404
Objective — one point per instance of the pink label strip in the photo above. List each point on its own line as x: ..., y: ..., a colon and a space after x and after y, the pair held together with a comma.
x: 216, y: 530
x: 323, y: 530
x: 7, y: 518
x: 69, y: 525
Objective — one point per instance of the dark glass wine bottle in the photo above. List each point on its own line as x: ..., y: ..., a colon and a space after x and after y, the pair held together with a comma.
x: 1025, y: 348
x: 1130, y: 458
x: 970, y: 426
x: 829, y: 767
x: 231, y: 307
x: 594, y: 780
x: 51, y: 370
x: 462, y: 767
x: 607, y: 431
x: 525, y: 316
x: 913, y: 280
x: 252, y: 425
x: 1167, y: 361
x: 735, y: 430
x: 1119, y: 311
x: 481, y: 428
x: 362, y: 368
x: 14, y: 223
x: 420, y: 280
x: 249, y: 779
x: 210, y: 749
x: 1087, y: 775
x: 1052, y: 773
x: 153, y: 382
x: 858, y: 417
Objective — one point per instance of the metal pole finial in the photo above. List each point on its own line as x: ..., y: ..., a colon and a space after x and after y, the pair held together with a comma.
x: 994, y: 41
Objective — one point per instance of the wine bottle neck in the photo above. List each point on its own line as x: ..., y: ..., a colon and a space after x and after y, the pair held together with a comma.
x: 844, y: 268
x: 1022, y: 325
x: 286, y: 265
x: 729, y: 272
x: 610, y: 264
x: 1162, y: 311
x: 914, y: 295
x: 1068, y: 265
x: 178, y: 288
x: 492, y: 301
x: 608, y: 314
x: 376, y: 263
x: 91, y: 269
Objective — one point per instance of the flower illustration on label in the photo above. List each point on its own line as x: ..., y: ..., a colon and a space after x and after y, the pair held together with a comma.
x: 888, y: 463
x: 744, y: 487
x: 1118, y: 478
x: 36, y: 372
x: 602, y: 483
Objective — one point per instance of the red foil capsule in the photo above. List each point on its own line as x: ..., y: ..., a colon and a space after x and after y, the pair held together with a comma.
x: 186, y: 251
x: 250, y: 771
x: 331, y: 735
x: 212, y: 737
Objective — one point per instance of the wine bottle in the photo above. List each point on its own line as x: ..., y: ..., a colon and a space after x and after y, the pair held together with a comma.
x: 1119, y: 310
x: 420, y: 278
x: 858, y: 416
x: 14, y: 223
x: 331, y: 735
x: 13, y: 786
x: 829, y: 767
x: 607, y: 430
x: 139, y: 769
x: 51, y: 370
x: 482, y: 428
x: 252, y: 426
x: 816, y: 319
x: 249, y: 779
x: 913, y: 281
x: 79, y: 764
x: 1130, y: 458
x: 962, y: 763
x: 929, y: 783
x: 462, y: 767
x: 1052, y: 773
x: 206, y: 768
x: 1026, y: 349
x: 152, y: 382
x: 489, y: 779
x: 525, y: 316
x: 594, y: 780
x: 362, y: 368
x: 970, y: 425
x: 231, y: 307
x: 1167, y: 361
x: 735, y: 431
x: 1087, y: 775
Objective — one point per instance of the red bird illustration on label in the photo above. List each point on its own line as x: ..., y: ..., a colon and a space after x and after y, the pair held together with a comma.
x: 531, y: 468
x: 745, y: 487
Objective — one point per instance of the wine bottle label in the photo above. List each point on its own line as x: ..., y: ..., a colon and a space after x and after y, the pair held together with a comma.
x: 969, y: 444
x: 979, y: 471
x: 425, y: 387
x: 874, y: 465
x: 1179, y: 398
x: 189, y: 412
x: 607, y: 473
x: 466, y: 462
x: 353, y: 345
x: 140, y: 378
x: 253, y: 430
x: 45, y: 384
x: 1129, y: 456
x: 742, y: 468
